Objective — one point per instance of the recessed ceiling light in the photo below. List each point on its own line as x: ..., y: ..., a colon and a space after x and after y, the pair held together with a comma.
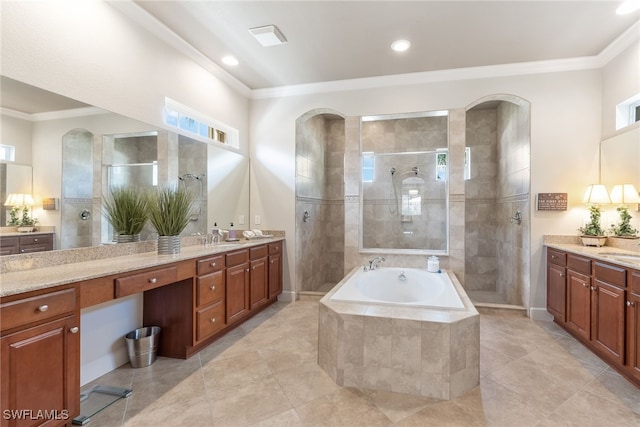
x: 400, y: 45
x: 628, y: 6
x: 230, y: 60
x: 269, y: 35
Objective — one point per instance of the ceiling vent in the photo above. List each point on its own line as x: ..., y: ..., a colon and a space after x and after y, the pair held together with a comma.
x: 269, y: 35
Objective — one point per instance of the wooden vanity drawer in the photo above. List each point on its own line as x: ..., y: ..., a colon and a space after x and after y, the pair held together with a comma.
x: 237, y: 258
x: 275, y: 248
x: 40, y: 239
x: 210, y: 288
x: 37, y: 308
x: 209, y: 320
x: 209, y: 265
x: 579, y: 264
x: 258, y: 252
x: 9, y: 245
x: 634, y: 281
x: 556, y: 257
x: 141, y: 282
x: 610, y: 274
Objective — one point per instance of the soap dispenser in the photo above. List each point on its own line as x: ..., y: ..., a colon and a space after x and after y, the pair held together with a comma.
x: 232, y: 233
x: 215, y: 233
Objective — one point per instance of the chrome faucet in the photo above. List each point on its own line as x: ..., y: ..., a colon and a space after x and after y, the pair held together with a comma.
x: 373, y: 264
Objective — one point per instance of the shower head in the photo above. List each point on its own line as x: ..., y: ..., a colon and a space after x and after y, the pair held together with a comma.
x: 415, y: 170
x: 392, y: 170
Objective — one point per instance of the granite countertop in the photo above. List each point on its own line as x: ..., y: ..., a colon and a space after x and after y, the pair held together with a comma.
x: 603, y: 253
x: 27, y: 233
x: 16, y: 282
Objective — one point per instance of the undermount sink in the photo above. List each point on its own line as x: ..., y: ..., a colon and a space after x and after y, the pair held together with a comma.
x: 622, y: 257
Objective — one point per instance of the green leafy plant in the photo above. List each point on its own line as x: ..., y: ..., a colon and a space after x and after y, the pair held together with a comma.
x: 170, y: 209
x: 624, y: 228
x: 592, y: 228
x: 24, y: 220
x: 126, y: 210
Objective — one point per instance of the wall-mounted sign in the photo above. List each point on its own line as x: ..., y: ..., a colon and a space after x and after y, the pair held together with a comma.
x: 552, y: 201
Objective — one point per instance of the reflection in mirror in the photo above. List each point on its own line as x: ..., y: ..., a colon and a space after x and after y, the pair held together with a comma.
x: 404, y: 184
x: 36, y: 121
x: 15, y: 179
x: 620, y: 159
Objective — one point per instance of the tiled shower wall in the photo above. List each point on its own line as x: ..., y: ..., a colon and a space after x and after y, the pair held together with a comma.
x: 496, y: 249
x: 192, y: 159
x: 320, y: 192
x: 385, y: 223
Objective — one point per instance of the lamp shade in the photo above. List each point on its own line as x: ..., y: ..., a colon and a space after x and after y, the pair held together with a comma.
x: 596, y: 193
x: 624, y: 193
x: 19, y: 199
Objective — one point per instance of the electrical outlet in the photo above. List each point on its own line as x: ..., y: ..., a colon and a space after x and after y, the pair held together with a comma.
x: 241, y: 220
x: 257, y: 220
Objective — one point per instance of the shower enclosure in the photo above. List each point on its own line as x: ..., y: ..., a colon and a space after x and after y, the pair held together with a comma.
x: 320, y: 228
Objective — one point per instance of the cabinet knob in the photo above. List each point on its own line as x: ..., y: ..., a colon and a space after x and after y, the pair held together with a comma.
x: 247, y: 270
x: 554, y: 257
x: 594, y: 288
x: 561, y: 274
x: 213, y: 320
x: 35, y: 239
x: 43, y: 308
x: 213, y: 264
x: 74, y: 330
x: 585, y: 285
x: 213, y: 287
x: 153, y: 280
x: 630, y: 304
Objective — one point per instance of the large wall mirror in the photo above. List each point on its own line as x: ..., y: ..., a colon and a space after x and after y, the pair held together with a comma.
x: 77, y: 152
x: 404, y: 203
x: 620, y: 158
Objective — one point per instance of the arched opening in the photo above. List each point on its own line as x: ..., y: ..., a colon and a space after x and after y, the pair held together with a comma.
x: 497, y: 245
x: 320, y: 231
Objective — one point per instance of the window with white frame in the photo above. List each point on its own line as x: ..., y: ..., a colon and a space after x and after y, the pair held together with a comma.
x: 200, y: 126
x: 628, y: 112
x: 7, y: 153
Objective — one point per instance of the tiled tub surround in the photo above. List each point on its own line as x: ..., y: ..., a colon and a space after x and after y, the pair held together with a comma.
x: 423, y: 352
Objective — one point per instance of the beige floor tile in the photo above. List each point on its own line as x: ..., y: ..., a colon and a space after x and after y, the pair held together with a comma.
x: 304, y: 383
x: 249, y: 403
x: 345, y: 407
x: 264, y: 373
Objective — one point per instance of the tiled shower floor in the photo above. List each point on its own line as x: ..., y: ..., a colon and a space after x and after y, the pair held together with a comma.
x: 264, y: 373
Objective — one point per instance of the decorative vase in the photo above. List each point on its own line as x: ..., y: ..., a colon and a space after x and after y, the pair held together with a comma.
x: 593, y: 240
x: 128, y: 238
x: 26, y: 229
x: 168, y: 245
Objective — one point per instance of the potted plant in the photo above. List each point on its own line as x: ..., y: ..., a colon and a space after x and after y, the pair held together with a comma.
x: 126, y: 211
x: 592, y: 233
x: 24, y: 223
x: 170, y: 210
x: 624, y: 228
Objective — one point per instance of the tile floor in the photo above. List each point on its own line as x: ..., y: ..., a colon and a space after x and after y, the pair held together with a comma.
x: 264, y: 373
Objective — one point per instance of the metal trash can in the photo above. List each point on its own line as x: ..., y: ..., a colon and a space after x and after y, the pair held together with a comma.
x: 142, y: 345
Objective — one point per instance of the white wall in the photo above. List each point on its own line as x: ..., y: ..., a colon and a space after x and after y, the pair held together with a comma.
x: 565, y: 133
x: 620, y: 81
x: 17, y: 132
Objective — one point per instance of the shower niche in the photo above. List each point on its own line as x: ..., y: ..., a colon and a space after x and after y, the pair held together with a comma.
x: 404, y: 184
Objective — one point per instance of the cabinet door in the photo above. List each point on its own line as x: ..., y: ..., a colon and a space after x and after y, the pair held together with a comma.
x: 237, y: 300
x: 275, y: 275
x: 633, y: 334
x: 579, y: 303
x: 41, y: 372
x: 607, y: 327
x: 557, y: 292
x: 259, y: 291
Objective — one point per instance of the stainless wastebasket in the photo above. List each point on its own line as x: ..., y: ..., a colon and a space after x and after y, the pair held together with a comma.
x: 142, y: 345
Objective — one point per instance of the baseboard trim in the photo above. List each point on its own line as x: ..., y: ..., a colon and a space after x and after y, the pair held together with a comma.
x: 538, y: 313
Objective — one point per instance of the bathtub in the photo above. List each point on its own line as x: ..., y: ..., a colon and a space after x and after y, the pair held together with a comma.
x: 410, y: 287
x: 403, y: 330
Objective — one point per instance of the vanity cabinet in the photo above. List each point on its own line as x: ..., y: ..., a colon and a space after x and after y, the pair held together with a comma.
x: 237, y: 295
x: 275, y: 269
x: 557, y: 284
x: 40, y: 357
x: 259, y: 294
x: 601, y: 307
x: 32, y: 242
x: 210, y: 294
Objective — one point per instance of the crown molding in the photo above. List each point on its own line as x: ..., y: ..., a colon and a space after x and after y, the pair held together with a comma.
x: 147, y: 21
x: 53, y: 115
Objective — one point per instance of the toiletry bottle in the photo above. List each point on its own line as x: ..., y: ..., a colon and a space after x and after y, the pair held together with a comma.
x: 215, y: 233
x: 232, y: 232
